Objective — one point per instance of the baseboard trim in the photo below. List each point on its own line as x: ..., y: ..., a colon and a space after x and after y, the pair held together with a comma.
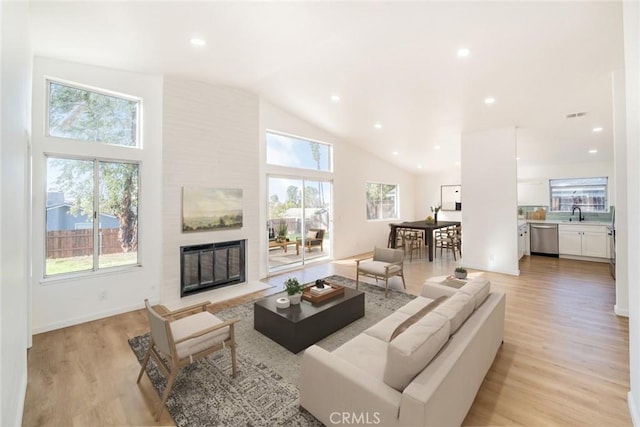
x: 633, y: 410
x: 620, y: 311
x: 22, y: 396
x: 88, y: 318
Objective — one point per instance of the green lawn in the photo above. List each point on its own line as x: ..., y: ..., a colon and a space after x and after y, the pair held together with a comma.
x: 84, y: 263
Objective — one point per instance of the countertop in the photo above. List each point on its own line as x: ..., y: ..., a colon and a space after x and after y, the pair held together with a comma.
x: 557, y: 221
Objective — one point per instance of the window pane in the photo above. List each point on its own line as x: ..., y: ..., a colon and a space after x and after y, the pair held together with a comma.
x: 299, y: 153
x: 69, y: 223
x: 90, y: 116
x: 590, y: 194
x: 118, y: 219
x: 382, y: 201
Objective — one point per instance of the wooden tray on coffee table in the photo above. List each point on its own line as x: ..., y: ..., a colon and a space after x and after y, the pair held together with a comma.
x: 315, y: 299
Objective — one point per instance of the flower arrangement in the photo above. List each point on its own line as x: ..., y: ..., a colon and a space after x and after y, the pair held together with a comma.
x: 435, y: 209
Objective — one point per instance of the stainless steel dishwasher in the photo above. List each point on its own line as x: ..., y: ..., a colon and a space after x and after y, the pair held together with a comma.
x: 544, y: 239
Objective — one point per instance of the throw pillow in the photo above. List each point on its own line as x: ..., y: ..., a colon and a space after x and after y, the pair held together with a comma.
x: 417, y: 316
x: 412, y: 350
x: 312, y: 234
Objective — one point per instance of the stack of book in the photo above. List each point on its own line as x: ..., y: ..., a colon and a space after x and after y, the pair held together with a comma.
x: 320, y: 291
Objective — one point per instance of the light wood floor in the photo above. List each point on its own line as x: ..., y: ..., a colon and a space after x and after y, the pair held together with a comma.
x: 564, y: 360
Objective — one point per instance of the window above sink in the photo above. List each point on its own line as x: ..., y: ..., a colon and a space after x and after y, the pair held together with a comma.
x: 589, y: 194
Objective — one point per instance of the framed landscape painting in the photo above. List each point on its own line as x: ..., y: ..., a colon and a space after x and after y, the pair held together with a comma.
x: 205, y: 209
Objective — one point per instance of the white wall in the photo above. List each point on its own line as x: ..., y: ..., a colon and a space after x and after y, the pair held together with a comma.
x: 210, y: 140
x: 428, y: 193
x: 62, y: 302
x: 489, y: 201
x: 631, y: 20
x: 15, y: 77
x: 620, y: 155
x: 353, y: 168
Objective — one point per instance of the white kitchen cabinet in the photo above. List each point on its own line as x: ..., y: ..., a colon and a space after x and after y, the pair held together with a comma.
x: 582, y: 240
x: 594, y: 243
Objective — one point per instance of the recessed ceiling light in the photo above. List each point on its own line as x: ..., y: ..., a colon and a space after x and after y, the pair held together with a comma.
x: 489, y: 100
x: 597, y: 129
x: 377, y: 126
x: 419, y: 166
x: 436, y: 147
x: 593, y: 151
x: 517, y: 158
x: 457, y: 163
x: 335, y: 98
x: 197, y: 41
x: 464, y: 52
x: 395, y: 153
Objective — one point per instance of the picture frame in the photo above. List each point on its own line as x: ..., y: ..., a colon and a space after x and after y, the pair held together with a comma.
x: 206, y: 209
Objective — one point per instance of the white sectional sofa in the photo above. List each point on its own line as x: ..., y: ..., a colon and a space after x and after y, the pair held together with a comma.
x: 428, y: 375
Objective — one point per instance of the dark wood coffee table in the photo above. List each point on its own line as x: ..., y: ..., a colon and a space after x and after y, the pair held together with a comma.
x: 301, y: 325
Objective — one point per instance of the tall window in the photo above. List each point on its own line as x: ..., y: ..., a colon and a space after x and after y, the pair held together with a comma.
x: 91, y: 215
x: 88, y: 115
x: 589, y: 194
x: 91, y: 203
x: 292, y: 152
x: 382, y: 201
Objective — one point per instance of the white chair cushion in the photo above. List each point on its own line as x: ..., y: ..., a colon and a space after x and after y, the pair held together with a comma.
x: 478, y: 289
x: 456, y: 309
x: 377, y: 268
x: 312, y: 234
x: 412, y: 350
x: 191, y: 324
x: 366, y: 352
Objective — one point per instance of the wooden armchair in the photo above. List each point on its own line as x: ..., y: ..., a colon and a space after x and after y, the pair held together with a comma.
x: 315, y: 237
x: 183, y: 341
x: 385, y: 263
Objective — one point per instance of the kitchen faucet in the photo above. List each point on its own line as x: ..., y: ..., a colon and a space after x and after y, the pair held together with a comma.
x: 580, y: 217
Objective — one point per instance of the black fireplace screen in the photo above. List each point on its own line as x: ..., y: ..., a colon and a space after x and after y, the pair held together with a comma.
x: 212, y: 265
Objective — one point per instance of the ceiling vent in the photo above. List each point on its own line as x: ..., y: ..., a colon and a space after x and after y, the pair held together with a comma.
x: 574, y: 115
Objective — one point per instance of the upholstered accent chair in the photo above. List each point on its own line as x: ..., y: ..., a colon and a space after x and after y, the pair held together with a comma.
x: 385, y: 263
x: 177, y: 342
x: 314, y: 237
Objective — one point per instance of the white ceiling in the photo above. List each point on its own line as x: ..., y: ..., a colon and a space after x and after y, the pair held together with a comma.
x: 391, y: 62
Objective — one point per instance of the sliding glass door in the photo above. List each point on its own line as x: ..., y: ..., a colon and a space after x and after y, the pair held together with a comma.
x: 298, y: 225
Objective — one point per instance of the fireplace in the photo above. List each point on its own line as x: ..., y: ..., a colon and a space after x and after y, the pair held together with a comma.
x: 210, y: 266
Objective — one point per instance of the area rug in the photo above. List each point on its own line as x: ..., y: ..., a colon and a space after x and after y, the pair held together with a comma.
x: 265, y: 391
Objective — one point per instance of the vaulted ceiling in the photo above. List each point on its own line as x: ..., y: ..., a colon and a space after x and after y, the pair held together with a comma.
x: 391, y: 63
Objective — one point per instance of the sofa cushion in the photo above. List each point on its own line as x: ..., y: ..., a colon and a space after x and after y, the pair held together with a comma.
x: 456, y: 309
x: 478, y: 289
x: 366, y: 352
x: 412, y: 350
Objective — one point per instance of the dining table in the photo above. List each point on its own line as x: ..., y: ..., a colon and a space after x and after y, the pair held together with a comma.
x: 427, y: 226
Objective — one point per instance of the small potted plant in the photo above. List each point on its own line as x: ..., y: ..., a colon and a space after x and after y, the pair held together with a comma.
x: 460, y: 272
x: 294, y: 290
x: 282, y: 231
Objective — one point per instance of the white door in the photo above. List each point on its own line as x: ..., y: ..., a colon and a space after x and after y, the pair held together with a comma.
x: 594, y: 244
x: 570, y: 242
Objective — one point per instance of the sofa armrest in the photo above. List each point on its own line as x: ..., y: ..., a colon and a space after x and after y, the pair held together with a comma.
x: 331, y: 386
x: 435, y: 290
